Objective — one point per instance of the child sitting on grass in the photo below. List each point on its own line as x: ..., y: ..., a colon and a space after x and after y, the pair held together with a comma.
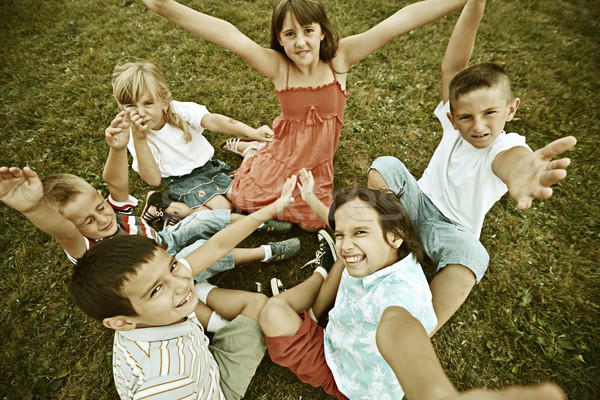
x: 376, y: 344
x: 69, y: 209
x: 132, y: 285
x: 167, y: 142
x: 474, y: 165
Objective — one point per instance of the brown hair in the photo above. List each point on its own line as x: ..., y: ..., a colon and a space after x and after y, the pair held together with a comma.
x: 480, y: 76
x: 99, y: 275
x: 132, y: 80
x: 306, y: 12
x: 392, y: 217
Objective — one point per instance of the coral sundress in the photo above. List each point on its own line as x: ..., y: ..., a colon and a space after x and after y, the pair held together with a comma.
x: 307, y: 134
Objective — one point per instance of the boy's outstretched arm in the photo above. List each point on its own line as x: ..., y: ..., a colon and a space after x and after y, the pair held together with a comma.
x: 307, y: 187
x: 529, y: 175
x: 116, y: 169
x: 460, y: 45
x: 223, y: 124
x: 227, y: 239
x: 22, y: 190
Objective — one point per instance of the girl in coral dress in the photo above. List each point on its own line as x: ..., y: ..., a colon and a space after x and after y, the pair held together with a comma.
x: 308, y: 66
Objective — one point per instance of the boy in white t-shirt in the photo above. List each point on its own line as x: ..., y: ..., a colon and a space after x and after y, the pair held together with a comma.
x: 474, y: 165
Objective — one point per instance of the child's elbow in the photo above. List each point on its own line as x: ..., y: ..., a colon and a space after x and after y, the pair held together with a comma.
x: 152, y: 181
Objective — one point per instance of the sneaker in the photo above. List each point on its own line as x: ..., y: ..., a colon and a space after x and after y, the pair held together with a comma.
x: 276, y: 286
x: 283, y: 250
x: 276, y: 226
x: 326, y: 255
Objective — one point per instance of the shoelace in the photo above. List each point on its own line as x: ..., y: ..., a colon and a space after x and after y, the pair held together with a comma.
x: 318, y: 255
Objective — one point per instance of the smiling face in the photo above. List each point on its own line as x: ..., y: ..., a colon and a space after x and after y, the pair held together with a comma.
x: 92, y: 215
x: 161, y: 292
x: 301, y: 43
x: 360, y: 241
x: 481, y: 114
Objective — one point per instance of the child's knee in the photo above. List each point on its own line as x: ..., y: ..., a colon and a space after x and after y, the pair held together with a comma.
x: 271, y: 312
x: 255, y: 303
x: 376, y: 181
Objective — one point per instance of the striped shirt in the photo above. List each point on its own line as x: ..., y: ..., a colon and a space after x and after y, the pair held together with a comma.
x: 166, y: 362
x: 128, y: 224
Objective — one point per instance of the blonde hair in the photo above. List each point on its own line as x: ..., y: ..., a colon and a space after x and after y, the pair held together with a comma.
x: 133, y: 80
x: 61, y: 189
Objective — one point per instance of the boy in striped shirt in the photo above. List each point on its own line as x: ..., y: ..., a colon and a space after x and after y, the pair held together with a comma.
x: 132, y: 285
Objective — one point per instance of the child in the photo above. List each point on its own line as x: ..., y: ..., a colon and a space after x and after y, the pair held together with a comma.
x: 166, y: 137
x: 474, y: 165
x: 148, y: 297
x: 308, y: 67
x: 69, y: 209
x: 376, y: 344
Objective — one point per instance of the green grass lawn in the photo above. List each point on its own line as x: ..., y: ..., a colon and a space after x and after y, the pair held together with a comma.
x: 532, y: 318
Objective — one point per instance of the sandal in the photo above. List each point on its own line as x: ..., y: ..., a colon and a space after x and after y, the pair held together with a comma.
x: 232, y: 146
x: 160, y: 201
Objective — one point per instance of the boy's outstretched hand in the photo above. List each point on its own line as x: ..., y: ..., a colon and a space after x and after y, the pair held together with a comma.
x: 117, y: 134
x: 530, y: 177
x: 20, y: 189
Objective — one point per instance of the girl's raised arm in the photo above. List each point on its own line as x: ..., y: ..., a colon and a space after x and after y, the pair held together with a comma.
x: 358, y: 47
x: 220, y: 32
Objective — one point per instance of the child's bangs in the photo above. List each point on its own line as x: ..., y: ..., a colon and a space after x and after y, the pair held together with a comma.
x: 136, y: 86
x: 306, y: 12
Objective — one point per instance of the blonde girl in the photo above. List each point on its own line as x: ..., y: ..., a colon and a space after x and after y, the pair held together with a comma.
x: 167, y: 142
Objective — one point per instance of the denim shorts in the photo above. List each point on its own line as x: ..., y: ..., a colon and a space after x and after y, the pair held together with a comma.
x: 192, y: 232
x: 202, y: 184
x: 445, y: 241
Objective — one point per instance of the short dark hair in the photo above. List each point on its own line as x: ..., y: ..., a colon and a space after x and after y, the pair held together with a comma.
x: 100, y: 273
x: 392, y: 217
x: 480, y: 76
x: 306, y: 12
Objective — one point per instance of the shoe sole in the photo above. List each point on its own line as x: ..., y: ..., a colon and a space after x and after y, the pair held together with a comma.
x: 147, y: 206
x: 276, y: 286
x: 325, y: 235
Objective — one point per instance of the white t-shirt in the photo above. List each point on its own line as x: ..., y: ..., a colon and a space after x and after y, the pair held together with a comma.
x: 172, y: 154
x: 459, y: 179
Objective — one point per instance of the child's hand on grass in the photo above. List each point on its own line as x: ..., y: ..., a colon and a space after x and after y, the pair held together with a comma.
x: 20, y: 189
x: 117, y: 134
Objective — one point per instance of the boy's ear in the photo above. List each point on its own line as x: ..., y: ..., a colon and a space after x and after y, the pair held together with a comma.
x: 119, y: 323
x: 512, y: 108
x: 394, y: 240
x: 451, y: 119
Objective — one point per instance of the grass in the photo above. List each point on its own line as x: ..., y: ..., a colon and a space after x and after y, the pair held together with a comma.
x: 532, y: 318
